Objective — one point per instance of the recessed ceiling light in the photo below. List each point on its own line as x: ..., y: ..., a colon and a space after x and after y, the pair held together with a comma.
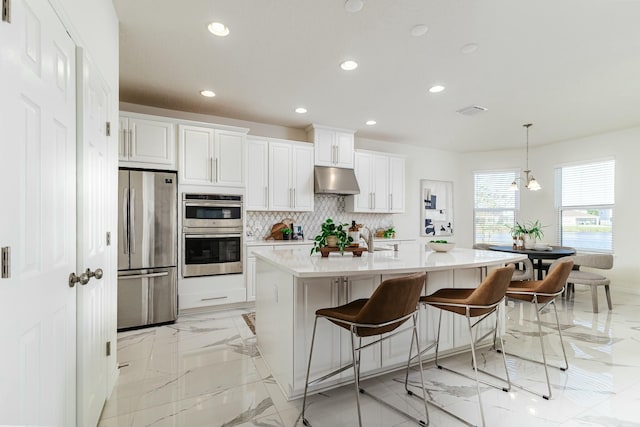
x: 419, y: 30
x: 301, y: 110
x: 208, y: 93
x: 469, y: 48
x: 353, y: 5
x: 218, y: 29
x: 371, y: 122
x: 349, y: 65
x: 436, y: 88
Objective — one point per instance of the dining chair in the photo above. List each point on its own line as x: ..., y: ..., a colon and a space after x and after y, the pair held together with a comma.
x: 590, y: 278
x: 392, y: 303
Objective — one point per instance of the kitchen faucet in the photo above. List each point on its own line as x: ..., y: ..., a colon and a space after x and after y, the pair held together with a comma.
x: 368, y: 239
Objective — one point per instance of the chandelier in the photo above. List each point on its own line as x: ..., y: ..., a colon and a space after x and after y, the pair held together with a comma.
x: 532, y: 184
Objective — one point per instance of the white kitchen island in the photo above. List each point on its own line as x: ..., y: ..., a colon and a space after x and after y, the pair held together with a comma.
x: 291, y: 286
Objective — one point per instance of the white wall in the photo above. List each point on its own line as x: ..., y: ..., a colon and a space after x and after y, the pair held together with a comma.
x: 622, y: 145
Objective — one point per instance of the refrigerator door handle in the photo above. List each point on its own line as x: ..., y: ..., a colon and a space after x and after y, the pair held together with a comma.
x: 125, y: 231
x: 143, y: 276
x: 132, y: 211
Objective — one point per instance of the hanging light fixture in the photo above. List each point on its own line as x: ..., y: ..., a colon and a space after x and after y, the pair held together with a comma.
x: 532, y: 184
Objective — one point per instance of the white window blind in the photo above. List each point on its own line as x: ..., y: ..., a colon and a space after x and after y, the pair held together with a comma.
x: 495, y: 206
x: 587, y: 200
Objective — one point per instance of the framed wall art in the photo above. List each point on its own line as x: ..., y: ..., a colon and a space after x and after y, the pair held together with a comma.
x: 436, y: 205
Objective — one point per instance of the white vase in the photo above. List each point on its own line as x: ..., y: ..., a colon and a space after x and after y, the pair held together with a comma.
x: 529, y: 241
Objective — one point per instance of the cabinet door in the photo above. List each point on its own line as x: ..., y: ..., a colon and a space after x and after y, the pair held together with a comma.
x: 151, y: 141
x: 228, y: 160
x: 196, y: 155
x: 380, y: 180
x: 324, y: 146
x: 303, y: 177
x: 257, y: 175
x: 396, y: 184
x: 344, y: 150
x: 363, y: 202
x: 123, y: 139
x: 280, y: 171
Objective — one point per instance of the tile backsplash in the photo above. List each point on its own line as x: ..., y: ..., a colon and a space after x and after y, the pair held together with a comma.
x: 325, y: 206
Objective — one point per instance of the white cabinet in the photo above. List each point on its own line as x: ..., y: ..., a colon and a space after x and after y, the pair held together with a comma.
x: 257, y: 175
x: 396, y: 184
x: 333, y: 147
x: 210, y: 156
x: 145, y: 141
x: 290, y: 176
x: 381, y: 180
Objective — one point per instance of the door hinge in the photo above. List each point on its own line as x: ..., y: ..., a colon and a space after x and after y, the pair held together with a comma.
x: 108, y: 348
x: 6, y: 11
x: 6, y: 263
x: 108, y: 238
x: 108, y: 128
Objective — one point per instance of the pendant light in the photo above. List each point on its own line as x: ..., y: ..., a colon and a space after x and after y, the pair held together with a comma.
x: 532, y: 183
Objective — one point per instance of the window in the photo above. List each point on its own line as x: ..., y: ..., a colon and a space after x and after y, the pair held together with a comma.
x: 495, y: 206
x: 586, y: 203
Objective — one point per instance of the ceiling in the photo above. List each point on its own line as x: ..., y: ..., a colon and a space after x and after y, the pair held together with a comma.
x: 571, y: 67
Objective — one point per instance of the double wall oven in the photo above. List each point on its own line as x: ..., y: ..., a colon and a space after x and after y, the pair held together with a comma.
x: 211, y: 234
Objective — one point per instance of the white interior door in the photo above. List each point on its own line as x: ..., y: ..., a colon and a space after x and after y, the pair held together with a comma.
x: 38, y: 214
x: 94, y: 184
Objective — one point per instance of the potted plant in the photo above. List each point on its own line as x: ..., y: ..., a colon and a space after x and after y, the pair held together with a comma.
x: 529, y: 232
x: 332, y: 235
x: 286, y: 233
x: 389, y: 233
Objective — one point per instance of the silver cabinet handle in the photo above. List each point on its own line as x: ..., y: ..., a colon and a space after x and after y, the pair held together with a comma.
x: 213, y: 298
x: 374, y: 200
x: 266, y: 196
x: 211, y: 172
x: 217, y: 172
x: 123, y: 135
x: 125, y: 230
x: 132, y: 223
x: 143, y: 276
x: 390, y: 201
x: 295, y: 199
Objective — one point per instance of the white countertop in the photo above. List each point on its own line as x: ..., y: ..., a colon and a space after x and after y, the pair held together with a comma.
x: 298, y: 262
x: 271, y: 242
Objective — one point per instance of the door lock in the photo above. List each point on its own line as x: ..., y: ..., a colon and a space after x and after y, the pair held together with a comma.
x: 97, y: 274
x: 83, y: 279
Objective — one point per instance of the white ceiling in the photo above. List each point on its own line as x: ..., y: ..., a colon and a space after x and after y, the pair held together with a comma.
x: 571, y: 67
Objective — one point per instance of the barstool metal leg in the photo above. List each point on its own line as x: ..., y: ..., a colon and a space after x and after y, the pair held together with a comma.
x: 475, y: 367
x: 356, y: 372
x: 564, y: 353
x: 544, y: 356
x: 417, y: 340
x: 306, y: 383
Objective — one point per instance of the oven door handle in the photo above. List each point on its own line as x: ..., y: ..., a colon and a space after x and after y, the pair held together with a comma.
x: 208, y: 236
x: 212, y: 204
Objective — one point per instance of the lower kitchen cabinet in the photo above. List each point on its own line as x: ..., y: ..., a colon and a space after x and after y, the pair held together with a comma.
x: 195, y: 292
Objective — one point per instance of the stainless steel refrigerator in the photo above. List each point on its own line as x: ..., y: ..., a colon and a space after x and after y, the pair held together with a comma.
x: 147, y: 248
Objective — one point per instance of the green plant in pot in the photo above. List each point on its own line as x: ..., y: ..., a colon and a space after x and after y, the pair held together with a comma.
x: 286, y: 233
x: 332, y: 235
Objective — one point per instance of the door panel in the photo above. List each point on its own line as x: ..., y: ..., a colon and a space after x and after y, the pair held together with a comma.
x: 97, y: 160
x: 152, y: 224
x: 37, y: 165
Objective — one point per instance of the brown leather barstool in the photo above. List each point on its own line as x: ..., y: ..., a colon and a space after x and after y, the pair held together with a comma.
x: 543, y: 293
x: 391, y: 305
x: 472, y: 303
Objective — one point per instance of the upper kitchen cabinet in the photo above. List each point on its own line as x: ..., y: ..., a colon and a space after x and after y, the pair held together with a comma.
x: 290, y: 176
x: 211, y: 156
x: 146, y: 142
x: 381, y: 180
x: 257, y: 174
x: 333, y: 147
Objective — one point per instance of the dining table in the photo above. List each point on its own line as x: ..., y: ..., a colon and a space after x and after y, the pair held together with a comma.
x: 537, y: 255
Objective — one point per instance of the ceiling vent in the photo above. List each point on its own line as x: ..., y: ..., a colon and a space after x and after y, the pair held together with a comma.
x: 471, y: 110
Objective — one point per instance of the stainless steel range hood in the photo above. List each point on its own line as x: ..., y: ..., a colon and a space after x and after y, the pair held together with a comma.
x: 330, y: 180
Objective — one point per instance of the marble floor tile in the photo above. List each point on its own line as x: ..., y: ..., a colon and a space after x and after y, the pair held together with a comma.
x: 205, y: 370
